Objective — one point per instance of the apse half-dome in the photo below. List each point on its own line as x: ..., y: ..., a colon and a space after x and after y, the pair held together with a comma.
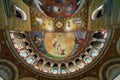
x: 58, y: 8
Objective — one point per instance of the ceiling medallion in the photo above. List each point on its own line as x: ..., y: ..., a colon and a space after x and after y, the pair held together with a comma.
x: 59, y: 24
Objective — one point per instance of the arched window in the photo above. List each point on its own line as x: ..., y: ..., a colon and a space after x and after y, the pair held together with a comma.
x: 98, y: 35
x: 87, y: 59
x: 63, y: 68
x: 70, y: 64
x: 48, y: 64
x: 71, y: 67
x: 55, y: 69
x: 80, y: 64
x: 1, y: 78
x: 77, y: 60
x: 24, y: 53
x: 93, y: 53
x: 19, y: 13
x: 30, y: 60
x: 26, y: 43
x: 117, y: 78
x: 97, y: 13
x: 41, y: 61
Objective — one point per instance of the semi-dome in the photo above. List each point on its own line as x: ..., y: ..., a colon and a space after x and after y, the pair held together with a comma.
x: 58, y: 8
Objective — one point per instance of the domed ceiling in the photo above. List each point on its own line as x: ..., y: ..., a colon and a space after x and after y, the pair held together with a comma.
x: 59, y: 39
x: 59, y: 43
x: 58, y: 8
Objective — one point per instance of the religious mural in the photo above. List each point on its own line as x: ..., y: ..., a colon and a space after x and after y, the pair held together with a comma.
x: 45, y: 16
x: 58, y: 45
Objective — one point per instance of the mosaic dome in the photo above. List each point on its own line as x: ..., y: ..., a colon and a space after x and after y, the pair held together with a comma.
x: 58, y: 8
